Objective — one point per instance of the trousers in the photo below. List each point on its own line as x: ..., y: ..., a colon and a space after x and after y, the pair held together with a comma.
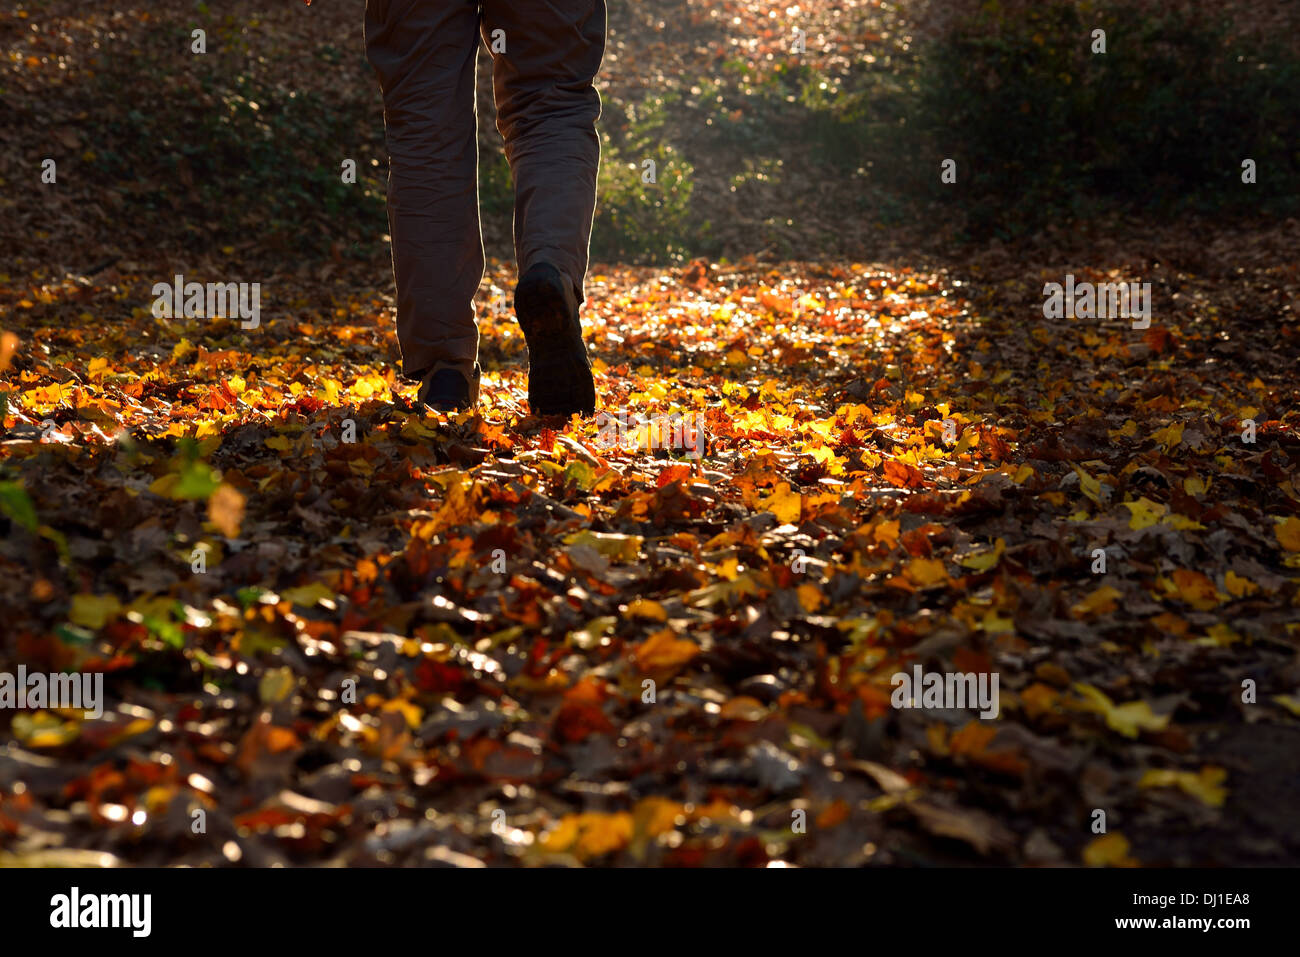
x: 545, y: 56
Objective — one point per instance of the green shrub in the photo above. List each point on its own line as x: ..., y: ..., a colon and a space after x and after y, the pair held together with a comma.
x: 638, y: 221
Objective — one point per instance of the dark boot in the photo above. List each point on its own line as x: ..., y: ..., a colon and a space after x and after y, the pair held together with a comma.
x: 559, y: 372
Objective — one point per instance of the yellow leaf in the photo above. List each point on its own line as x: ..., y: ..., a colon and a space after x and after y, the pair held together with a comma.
x: 563, y: 835
x: 590, y: 636
x: 280, y: 443
x: 1288, y: 533
x: 604, y: 833
x: 1144, y: 512
x: 163, y: 485
x: 308, y: 595
x: 645, y: 608
x: 1100, y: 602
x: 1091, y: 487
x: 1206, y: 787
x: 1169, y: 436
x: 886, y: 532
x: 810, y: 597
x: 926, y: 571
x: 43, y: 729
x: 1128, y: 719
x: 1108, y: 850
x: 1239, y: 586
x: 994, y: 624
x: 663, y: 651
x: 784, y: 504
x: 657, y: 815
x: 1126, y: 431
x: 276, y: 685
x: 461, y: 504
x: 591, y: 834
x: 93, y: 611
x: 622, y: 548
x: 1290, y: 702
x: 983, y: 561
x: 1219, y: 634
x: 407, y: 709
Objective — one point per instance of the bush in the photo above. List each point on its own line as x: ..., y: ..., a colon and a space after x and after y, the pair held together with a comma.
x: 1041, y: 126
x: 637, y: 221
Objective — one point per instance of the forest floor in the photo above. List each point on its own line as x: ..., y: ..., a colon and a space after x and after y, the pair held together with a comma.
x: 351, y: 631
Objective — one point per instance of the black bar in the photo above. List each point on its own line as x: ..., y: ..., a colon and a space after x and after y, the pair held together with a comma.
x: 332, y: 907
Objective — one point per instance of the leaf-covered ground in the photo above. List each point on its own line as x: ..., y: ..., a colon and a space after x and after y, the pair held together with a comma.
x: 352, y: 631
x: 500, y: 590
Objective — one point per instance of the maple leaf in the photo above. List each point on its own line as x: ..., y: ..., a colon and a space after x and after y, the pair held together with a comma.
x: 784, y: 503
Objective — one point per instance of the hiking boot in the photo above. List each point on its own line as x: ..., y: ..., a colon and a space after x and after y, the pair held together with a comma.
x: 448, y: 388
x: 559, y: 372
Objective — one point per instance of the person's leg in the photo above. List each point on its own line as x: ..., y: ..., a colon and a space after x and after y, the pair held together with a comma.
x: 547, y: 107
x: 424, y: 53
